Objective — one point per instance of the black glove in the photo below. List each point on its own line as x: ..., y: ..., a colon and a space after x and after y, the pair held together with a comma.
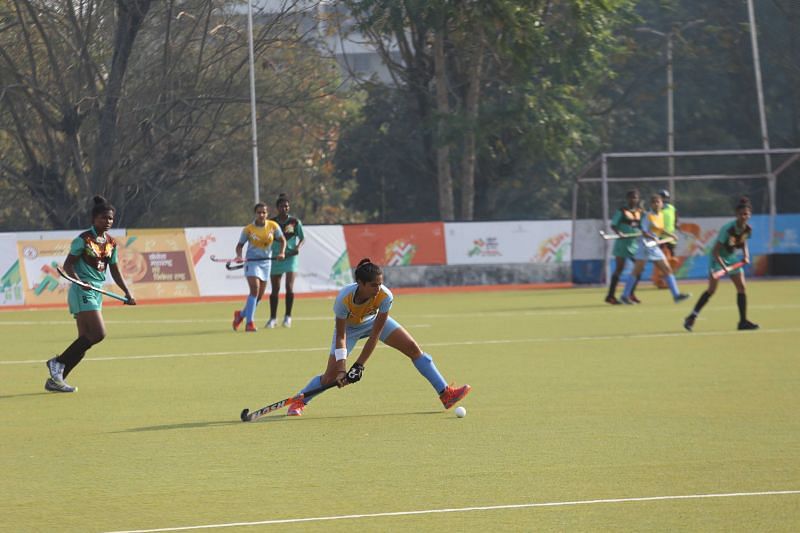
x: 355, y: 373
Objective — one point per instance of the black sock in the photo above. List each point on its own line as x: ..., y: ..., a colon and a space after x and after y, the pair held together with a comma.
x: 273, y: 305
x: 289, y: 303
x: 741, y: 303
x: 612, y: 288
x: 74, y: 353
x: 704, y: 298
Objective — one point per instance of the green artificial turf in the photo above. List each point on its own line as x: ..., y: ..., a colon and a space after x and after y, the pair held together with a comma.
x: 573, y: 401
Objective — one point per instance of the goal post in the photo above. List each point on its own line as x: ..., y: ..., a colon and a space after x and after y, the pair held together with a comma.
x: 705, y: 185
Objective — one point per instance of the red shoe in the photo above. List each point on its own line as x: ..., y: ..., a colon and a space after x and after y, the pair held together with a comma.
x: 612, y: 300
x: 634, y: 299
x: 296, y: 408
x: 251, y: 326
x: 237, y: 320
x: 452, y: 395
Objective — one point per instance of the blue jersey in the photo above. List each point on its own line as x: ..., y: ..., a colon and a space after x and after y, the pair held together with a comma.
x: 364, y: 313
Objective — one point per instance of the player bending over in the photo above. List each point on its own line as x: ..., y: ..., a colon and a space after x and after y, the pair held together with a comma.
x: 362, y: 311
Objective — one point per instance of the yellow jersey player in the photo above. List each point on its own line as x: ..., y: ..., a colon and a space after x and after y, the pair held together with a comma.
x: 361, y: 311
x: 259, y: 236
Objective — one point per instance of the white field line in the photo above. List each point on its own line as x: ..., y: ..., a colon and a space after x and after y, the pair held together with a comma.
x: 482, y: 342
x: 469, y: 509
x: 547, y: 312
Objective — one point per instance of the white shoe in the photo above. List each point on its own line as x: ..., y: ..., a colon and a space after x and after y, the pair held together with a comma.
x: 287, y: 321
x: 271, y: 323
x: 56, y: 370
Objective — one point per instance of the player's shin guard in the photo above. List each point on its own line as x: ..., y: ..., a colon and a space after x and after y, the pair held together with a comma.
x: 425, y: 366
x: 289, y: 302
x: 704, y: 298
x: 612, y: 287
x: 672, y: 283
x: 315, y: 383
x: 249, y: 310
x: 626, y: 292
x: 741, y: 303
x: 273, y: 305
x: 74, y: 353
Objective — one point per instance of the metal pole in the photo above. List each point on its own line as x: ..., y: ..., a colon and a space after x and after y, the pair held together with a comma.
x: 771, y: 185
x: 253, y: 99
x: 670, y: 115
x: 604, y: 176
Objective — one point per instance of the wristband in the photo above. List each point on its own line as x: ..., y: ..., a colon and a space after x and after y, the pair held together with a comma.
x: 340, y: 354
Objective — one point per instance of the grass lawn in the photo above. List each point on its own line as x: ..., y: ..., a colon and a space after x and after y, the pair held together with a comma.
x: 574, y: 403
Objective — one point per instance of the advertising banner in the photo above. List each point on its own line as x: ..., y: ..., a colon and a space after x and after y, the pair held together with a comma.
x: 213, y: 279
x: 156, y: 264
x: 472, y: 243
x: 397, y: 244
x: 322, y: 263
x: 39, y: 258
x: 11, y: 292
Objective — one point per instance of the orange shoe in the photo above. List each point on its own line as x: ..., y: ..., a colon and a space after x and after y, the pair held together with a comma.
x: 237, y: 320
x: 296, y: 408
x: 251, y: 326
x: 452, y: 395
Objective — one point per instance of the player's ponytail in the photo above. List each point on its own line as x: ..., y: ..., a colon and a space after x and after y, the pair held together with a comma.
x: 367, y: 271
x: 101, y: 205
x: 744, y: 203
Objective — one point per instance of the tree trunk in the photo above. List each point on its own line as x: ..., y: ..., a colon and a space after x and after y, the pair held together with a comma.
x: 475, y: 66
x: 443, y: 173
x: 130, y: 16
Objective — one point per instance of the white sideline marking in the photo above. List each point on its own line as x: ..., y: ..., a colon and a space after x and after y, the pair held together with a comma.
x: 467, y: 509
x: 426, y: 344
x: 667, y: 308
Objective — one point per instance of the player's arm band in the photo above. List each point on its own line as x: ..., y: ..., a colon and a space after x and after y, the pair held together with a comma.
x: 340, y: 354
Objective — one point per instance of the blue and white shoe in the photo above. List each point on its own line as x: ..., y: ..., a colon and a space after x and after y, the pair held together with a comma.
x: 53, y: 386
x: 271, y: 323
x: 624, y: 299
x: 56, y: 370
x: 287, y: 321
x: 681, y: 297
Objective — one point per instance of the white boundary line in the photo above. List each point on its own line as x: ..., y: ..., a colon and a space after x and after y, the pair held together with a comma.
x: 468, y: 509
x: 666, y: 308
x: 436, y: 344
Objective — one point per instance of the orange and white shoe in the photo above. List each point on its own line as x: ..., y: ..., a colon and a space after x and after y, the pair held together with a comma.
x: 296, y: 408
x: 251, y: 326
x: 452, y: 395
x: 237, y: 320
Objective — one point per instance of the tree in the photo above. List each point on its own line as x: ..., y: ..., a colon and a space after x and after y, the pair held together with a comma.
x: 149, y: 105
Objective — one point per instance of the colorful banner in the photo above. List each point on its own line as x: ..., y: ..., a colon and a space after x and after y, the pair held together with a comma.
x: 157, y: 264
x: 472, y: 243
x: 39, y: 258
x: 397, y: 244
x: 323, y: 263
x: 11, y: 292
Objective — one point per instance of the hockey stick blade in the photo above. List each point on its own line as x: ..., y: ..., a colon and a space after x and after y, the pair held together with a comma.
x: 722, y: 273
x: 87, y: 286
x: 247, y: 416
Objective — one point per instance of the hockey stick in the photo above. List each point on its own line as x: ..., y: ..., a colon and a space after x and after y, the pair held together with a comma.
x: 247, y: 416
x: 288, y: 253
x: 614, y: 236
x: 90, y: 287
x: 722, y: 273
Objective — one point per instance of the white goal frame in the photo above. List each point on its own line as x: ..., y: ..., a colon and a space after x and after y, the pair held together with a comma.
x: 603, y: 161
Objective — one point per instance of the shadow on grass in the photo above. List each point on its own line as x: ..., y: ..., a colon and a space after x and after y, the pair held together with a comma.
x: 269, y: 419
x: 43, y: 393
